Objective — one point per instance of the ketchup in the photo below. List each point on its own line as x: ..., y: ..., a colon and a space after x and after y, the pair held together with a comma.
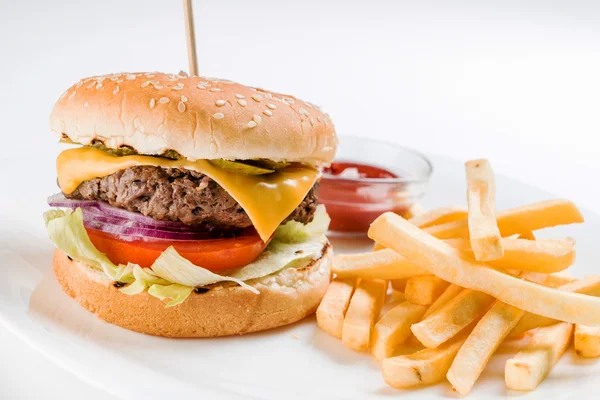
x: 355, y: 170
x: 356, y: 194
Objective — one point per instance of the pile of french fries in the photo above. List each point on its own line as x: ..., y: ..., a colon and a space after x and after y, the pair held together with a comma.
x: 470, y: 278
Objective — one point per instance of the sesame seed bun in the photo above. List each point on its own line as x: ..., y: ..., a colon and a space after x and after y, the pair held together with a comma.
x: 284, y: 298
x: 200, y: 118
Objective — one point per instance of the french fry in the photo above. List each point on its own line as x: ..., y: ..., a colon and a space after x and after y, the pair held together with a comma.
x: 363, y: 310
x: 587, y: 341
x: 377, y: 246
x: 381, y: 264
x: 394, y: 328
x: 589, y: 286
x: 444, y: 261
x: 447, y: 322
x: 439, y: 216
x: 331, y: 311
x: 399, y: 284
x: 421, y: 368
x: 483, y: 341
x: 553, y: 280
x: 532, y: 364
x: 527, y: 235
x: 451, y: 292
x: 544, y: 214
x: 414, y: 211
x: 425, y: 289
x: 544, y: 256
x: 481, y: 197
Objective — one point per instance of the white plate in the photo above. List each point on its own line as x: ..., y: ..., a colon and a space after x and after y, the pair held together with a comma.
x: 298, y: 361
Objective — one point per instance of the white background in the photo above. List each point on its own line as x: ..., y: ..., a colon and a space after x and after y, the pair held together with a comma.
x: 517, y: 82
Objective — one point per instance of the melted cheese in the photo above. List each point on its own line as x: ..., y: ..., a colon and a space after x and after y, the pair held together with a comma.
x: 267, y: 199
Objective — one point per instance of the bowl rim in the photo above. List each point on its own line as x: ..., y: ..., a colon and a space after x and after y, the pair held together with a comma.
x: 424, y: 179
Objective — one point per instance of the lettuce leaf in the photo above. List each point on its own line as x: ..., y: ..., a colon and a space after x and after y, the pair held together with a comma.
x: 177, y: 293
x: 279, y: 255
x: 144, y: 278
x: 296, y: 232
x: 174, y: 268
x: 68, y: 234
x: 174, y: 277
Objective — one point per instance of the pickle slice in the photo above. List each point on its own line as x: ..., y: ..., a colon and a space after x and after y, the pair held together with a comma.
x: 238, y: 166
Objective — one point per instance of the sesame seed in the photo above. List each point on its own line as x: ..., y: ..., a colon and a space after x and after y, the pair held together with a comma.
x: 161, y: 129
x: 215, y: 89
x: 181, y: 106
x: 163, y: 100
x: 199, y: 86
x: 312, y: 120
x: 98, y: 86
x: 78, y: 85
x: 91, y: 84
x: 136, y: 123
x: 218, y: 116
x: 145, y: 84
x: 303, y: 111
x: 183, y: 98
x: 100, y: 78
x: 119, y: 80
x: 320, y: 119
x: 116, y: 90
x: 268, y: 95
x: 242, y: 103
x: 220, y: 103
x: 158, y: 86
x: 257, y: 119
x: 291, y: 101
x: 239, y: 96
x: 285, y: 102
x: 152, y: 103
x: 85, y: 105
x: 149, y: 75
x: 256, y: 97
x: 72, y: 95
x: 271, y: 106
x: 204, y: 83
x: 267, y: 112
x: 130, y: 77
x: 252, y: 124
x: 179, y: 86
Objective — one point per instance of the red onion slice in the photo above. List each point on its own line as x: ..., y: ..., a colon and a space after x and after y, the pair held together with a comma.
x: 92, y: 206
x: 129, y: 225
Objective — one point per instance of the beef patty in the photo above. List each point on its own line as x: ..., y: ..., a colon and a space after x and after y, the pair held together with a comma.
x: 178, y: 195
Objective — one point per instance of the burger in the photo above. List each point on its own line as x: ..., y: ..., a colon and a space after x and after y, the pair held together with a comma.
x: 188, y: 206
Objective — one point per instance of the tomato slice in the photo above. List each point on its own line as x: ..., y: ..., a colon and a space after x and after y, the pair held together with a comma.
x: 212, y: 254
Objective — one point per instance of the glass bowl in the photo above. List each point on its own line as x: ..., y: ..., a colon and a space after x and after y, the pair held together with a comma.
x: 354, y: 202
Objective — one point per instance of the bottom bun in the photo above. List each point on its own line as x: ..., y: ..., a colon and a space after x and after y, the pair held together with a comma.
x: 284, y: 298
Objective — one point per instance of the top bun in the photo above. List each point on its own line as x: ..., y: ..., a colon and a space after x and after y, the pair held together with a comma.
x: 200, y: 118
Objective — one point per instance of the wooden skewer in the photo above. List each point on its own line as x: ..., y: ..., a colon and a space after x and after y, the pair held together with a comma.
x: 191, y: 37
